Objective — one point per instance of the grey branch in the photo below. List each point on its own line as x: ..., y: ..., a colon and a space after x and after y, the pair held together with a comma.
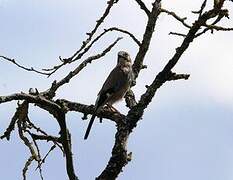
x: 45, y: 137
x: 21, y: 66
x: 125, y: 123
x: 174, y: 76
x: 138, y: 62
x: 78, y: 54
x: 177, y: 34
x: 125, y: 32
x: 199, y: 12
x: 173, y: 14
x: 85, y: 109
x: 55, y: 85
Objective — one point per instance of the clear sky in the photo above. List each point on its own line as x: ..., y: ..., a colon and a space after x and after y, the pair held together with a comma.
x: 186, y: 132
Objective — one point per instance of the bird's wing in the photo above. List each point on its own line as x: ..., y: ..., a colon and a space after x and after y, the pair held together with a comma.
x: 115, y: 81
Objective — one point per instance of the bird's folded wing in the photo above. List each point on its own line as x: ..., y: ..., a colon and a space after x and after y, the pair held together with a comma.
x: 115, y: 81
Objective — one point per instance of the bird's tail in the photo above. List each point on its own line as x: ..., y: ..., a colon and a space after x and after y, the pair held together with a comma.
x: 89, y: 126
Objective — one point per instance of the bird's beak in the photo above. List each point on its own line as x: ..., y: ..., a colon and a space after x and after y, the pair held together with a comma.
x: 120, y: 56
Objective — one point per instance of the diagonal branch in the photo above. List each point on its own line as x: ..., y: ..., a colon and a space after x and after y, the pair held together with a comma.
x: 125, y: 32
x: 86, y: 48
x: 78, y: 54
x: 136, y: 112
x: 173, y: 14
x: 143, y: 7
x: 98, y: 23
x: 66, y: 143
x: 22, y: 67
x: 202, y: 8
x: 188, y: 39
x: 11, y: 126
x: 138, y: 62
x: 51, y: 92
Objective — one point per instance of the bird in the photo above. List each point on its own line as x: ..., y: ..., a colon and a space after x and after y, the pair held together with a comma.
x: 115, y: 86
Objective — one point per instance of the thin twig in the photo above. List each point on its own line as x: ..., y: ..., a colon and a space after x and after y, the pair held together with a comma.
x: 77, y: 55
x: 38, y: 155
x: 26, y: 166
x: 175, y: 76
x: 125, y: 32
x: 177, y: 34
x: 11, y: 126
x: 45, y: 136
x: 23, y: 67
x: 98, y: 23
x: 51, y: 92
x: 43, y: 160
x: 199, y: 12
x: 218, y: 28
x: 173, y: 14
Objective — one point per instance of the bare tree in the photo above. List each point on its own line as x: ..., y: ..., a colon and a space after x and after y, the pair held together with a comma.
x: 207, y: 20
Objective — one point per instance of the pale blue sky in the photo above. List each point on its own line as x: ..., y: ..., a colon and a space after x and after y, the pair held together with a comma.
x: 187, y: 131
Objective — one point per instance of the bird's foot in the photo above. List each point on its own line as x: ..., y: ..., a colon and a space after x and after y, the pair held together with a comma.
x: 113, y: 109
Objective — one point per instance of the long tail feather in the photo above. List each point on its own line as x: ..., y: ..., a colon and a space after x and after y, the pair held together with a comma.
x: 89, y: 126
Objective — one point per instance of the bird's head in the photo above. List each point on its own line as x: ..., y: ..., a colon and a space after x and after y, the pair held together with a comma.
x: 124, y: 59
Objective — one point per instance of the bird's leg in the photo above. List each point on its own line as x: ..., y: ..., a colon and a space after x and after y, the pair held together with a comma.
x: 112, y: 108
x: 100, y: 118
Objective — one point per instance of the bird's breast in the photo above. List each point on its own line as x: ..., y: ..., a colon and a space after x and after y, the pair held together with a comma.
x: 117, y: 96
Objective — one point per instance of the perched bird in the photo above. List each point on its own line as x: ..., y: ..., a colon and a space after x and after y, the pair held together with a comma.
x: 115, y: 86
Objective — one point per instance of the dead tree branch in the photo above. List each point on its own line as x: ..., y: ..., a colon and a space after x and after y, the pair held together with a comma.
x: 120, y: 157
x: 125, y: 124
x: 22, y: 67
x: 138, y: 62
x: 177, y: 34
x: 173, y: 14
x: 51, y: 92
x: 77, y: 55
x: 143, y: 7
x: 125, y: 32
